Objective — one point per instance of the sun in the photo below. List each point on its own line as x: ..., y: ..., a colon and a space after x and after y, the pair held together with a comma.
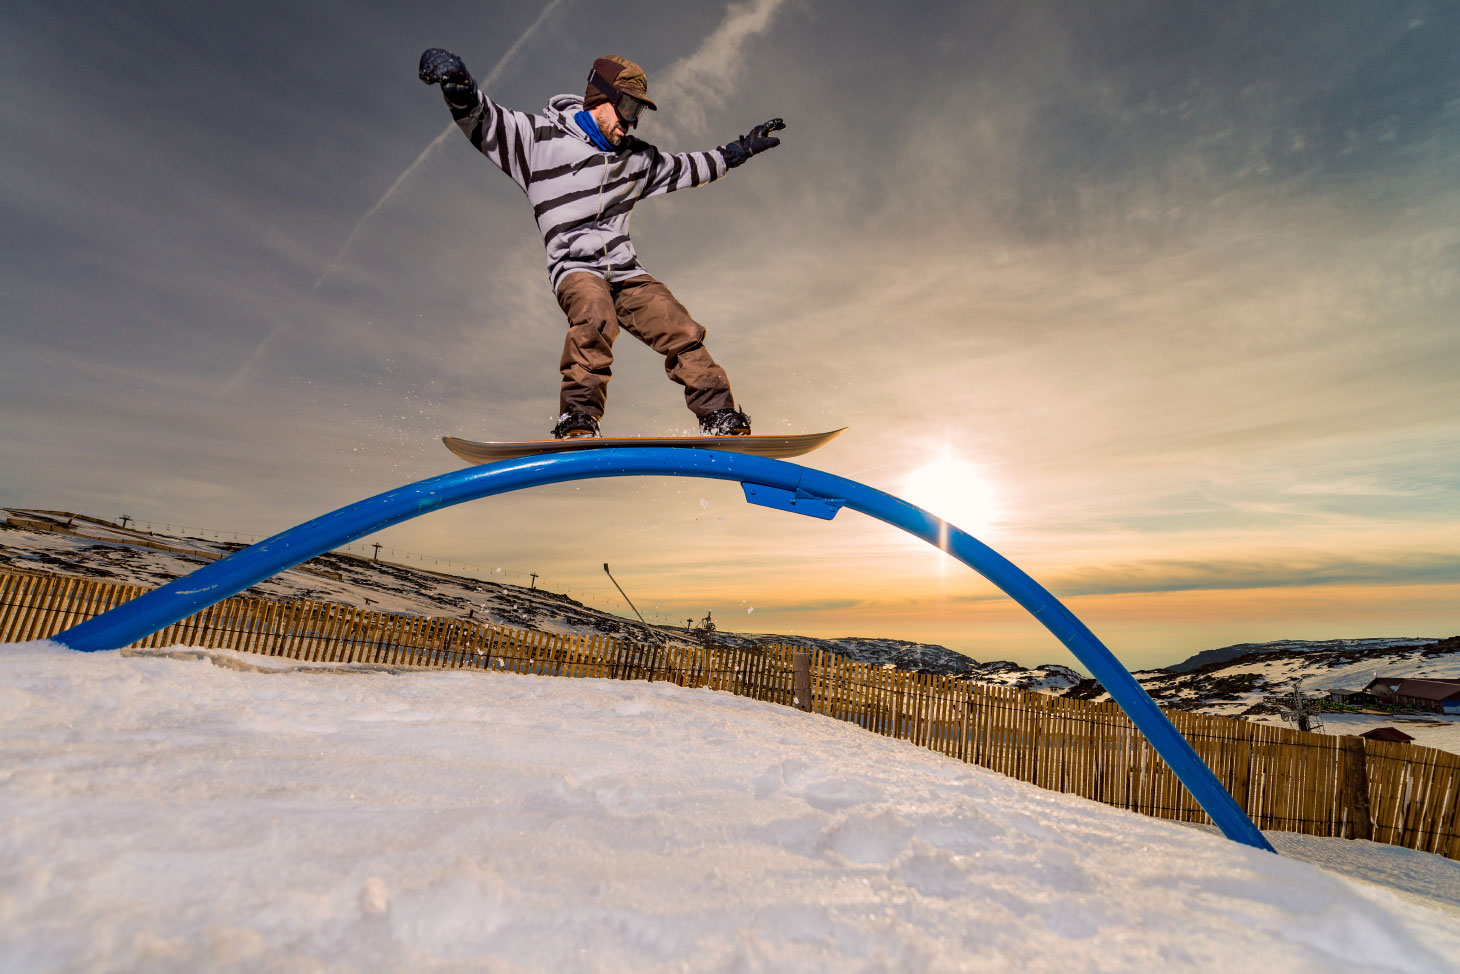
x: 955, y: 490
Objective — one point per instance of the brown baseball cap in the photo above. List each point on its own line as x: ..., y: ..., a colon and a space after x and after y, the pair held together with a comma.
x: 618, y: 73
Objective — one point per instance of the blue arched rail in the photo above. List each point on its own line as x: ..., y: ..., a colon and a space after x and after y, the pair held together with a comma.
x: 770, y: 483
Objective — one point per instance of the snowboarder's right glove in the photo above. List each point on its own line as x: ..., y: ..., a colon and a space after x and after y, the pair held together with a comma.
x: 443, y: 68
x: 759, y: 140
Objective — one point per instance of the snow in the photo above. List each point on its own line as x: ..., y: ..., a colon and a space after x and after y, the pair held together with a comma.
x: 1356, y: 675
x: 1316, y: 675
x: 1226, y: 653
x: 1439, y: 731
x: 389, y: 588
x: 170, y: 810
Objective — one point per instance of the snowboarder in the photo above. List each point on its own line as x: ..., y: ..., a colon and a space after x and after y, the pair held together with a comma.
x: 583, y: 172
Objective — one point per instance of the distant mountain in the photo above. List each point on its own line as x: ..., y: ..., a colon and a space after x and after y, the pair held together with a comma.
x: 1235, y: 685
x: 1226, y: 653
x: 1244, y: 685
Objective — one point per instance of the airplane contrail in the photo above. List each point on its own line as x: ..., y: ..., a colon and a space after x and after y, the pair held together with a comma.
x: 706, y: 77
x: 400, y: 180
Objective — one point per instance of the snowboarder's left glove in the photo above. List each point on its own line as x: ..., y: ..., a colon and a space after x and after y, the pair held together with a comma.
x: 443, y: 68
x: 759, y: 140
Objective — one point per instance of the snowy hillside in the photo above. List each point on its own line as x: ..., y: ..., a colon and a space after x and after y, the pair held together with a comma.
x: 212, y: 810
x: 1228, y: 653
x: 104, y: 551
x: 1242, y: 686
x: 1232, y: 682
x: 1346, y: 667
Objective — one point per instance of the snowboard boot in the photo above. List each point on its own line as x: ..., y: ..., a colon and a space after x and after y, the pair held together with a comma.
x: 573, y: 424
x: 725, y: 422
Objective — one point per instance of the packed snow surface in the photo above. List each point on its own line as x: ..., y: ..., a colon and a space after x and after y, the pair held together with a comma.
x: 178, y: 810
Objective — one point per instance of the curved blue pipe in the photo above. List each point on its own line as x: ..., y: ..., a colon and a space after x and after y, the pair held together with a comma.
x: 772, y: 482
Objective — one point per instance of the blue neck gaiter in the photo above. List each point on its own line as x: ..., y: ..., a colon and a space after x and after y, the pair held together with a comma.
x: 590, y: 128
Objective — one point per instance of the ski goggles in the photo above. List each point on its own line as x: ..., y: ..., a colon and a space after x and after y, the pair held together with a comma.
x: 628, y: 107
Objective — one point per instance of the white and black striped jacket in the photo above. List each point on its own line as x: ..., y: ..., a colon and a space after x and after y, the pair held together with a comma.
x: 580, y: 195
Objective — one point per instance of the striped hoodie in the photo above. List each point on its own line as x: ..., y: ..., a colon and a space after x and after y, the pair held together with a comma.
x: 580, y: 195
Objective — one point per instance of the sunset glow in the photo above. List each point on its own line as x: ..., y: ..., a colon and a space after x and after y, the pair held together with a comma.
x: 1157, y: 300
x: 957, y: 491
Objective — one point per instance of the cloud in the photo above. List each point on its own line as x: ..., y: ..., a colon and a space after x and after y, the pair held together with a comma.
x: 1257, y: 573
x: 704, y: 79
x: 1188, y: 300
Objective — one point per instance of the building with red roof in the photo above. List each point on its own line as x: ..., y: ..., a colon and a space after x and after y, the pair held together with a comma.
x: 1387, y: 734
x: 1438, y: 696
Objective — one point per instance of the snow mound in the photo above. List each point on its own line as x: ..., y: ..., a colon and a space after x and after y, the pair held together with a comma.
x: 166, y: 814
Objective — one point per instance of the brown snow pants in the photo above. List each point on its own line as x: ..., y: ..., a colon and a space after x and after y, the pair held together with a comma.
x: 645, y: 308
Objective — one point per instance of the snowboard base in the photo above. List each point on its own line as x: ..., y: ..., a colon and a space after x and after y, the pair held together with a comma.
x: 776, y: 446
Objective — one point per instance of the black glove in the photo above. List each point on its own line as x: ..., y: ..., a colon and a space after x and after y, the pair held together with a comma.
x: 759, y: 140
x: 443, y: 68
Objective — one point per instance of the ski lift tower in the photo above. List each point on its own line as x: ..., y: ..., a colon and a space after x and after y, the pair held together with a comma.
x: 1298, y: 709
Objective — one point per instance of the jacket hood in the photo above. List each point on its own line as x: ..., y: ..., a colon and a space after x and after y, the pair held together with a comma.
x: 560, y: 111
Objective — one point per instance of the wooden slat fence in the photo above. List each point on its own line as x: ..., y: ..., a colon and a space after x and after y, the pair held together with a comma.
x: 1286, y: 780
x: 35, y: 606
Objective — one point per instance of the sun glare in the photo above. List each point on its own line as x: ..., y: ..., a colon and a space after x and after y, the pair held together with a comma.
x: 955, y: 490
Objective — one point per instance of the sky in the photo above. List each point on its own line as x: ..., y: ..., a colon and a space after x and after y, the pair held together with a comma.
x: 1158, y: 299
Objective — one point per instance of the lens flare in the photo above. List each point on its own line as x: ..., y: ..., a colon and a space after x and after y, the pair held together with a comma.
x: 955, y: 490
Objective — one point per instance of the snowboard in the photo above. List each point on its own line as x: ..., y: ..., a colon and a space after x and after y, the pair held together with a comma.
x: 774, y: 445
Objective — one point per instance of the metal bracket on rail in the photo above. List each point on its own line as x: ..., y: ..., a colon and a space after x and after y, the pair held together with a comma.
x: 797, y: 501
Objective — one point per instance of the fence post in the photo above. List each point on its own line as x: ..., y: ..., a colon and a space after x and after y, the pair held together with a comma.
x: 801, y: 680
x: 1356, y: 788
x: 1242, y: 775
x: 965, y: 705
x: 1453, y: 850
